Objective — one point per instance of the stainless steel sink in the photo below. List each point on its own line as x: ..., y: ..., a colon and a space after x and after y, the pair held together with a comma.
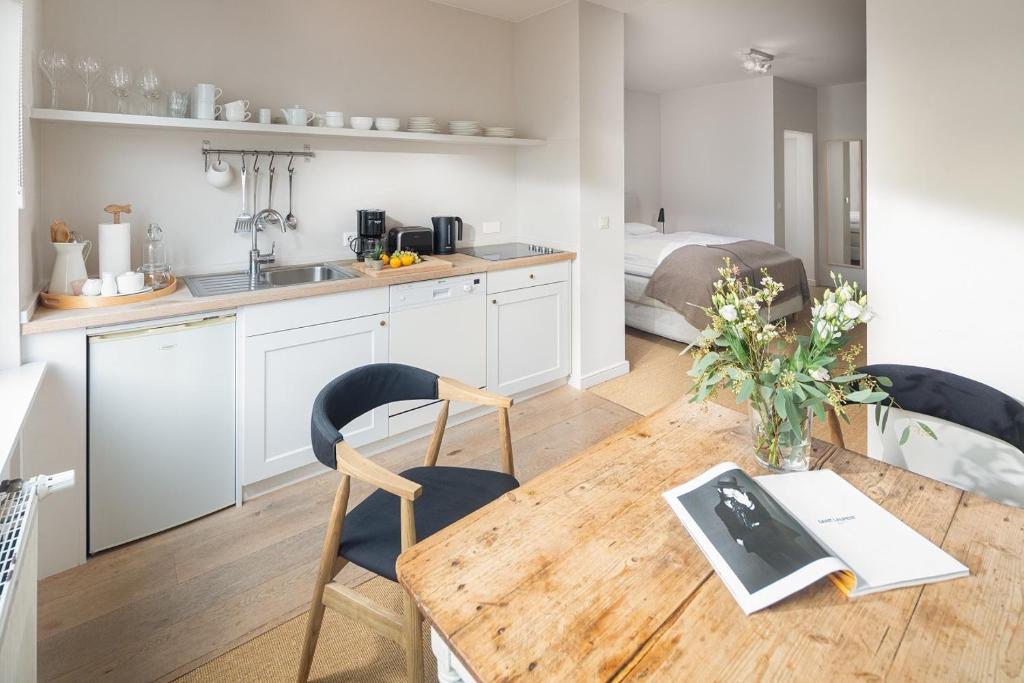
x: 285, y: 276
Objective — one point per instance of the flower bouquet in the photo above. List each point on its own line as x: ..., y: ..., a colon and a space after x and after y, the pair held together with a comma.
x: 786, y: 378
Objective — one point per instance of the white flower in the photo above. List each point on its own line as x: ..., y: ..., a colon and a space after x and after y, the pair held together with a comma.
x: 852, y: 310
x: 820, y: 374
x: 728, y: 312
x: 831, y: 309
x: 824, y: 329
x: 866, y: 315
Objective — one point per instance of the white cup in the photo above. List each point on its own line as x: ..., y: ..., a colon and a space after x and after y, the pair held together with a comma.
x: 206, y: 109
x: 206, y: 91
x: 334, y: 119
x: 108, y: 285
x: 265, y: 115
x: 297, y: 116
x: 220, y: 173
x: 92, y: 287
x: 130, y: 282
x: 237, y: 110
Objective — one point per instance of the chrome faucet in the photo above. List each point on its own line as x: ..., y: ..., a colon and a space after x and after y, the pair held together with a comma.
x: 256, y: 259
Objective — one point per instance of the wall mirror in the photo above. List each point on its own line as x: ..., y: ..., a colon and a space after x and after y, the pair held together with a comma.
x: 844, y: 203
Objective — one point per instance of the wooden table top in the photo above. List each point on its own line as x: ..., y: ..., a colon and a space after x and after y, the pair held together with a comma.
x: 585, y: 573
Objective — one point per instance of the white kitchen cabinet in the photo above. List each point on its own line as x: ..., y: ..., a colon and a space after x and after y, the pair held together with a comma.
x: 283, y: 373
x: 527, y: 337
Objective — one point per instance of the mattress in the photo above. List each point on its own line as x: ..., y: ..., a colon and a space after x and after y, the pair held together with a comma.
x: 644, y: 253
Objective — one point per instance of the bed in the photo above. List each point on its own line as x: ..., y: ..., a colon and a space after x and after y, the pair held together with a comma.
x: 646, y: 248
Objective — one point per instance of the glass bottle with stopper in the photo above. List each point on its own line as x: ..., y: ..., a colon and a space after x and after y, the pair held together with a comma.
x: 154, y: 258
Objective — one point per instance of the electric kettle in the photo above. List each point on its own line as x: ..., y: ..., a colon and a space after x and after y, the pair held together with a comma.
x: 445, y: 233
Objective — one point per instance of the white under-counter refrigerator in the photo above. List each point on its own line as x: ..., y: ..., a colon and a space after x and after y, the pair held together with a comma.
x: 161, y: 419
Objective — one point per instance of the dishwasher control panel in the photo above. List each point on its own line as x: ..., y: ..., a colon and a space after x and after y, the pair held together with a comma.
x: 428, y: 292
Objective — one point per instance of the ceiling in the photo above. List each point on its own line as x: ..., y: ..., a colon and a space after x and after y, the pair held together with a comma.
x: 675, y: 44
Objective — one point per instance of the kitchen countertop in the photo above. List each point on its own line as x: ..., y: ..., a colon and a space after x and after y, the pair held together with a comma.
x: 182, y: 302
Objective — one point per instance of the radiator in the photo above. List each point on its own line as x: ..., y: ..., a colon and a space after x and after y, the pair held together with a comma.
x: 18, y: 576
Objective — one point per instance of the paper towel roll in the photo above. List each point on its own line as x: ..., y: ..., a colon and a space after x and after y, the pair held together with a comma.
x: 115, y: 247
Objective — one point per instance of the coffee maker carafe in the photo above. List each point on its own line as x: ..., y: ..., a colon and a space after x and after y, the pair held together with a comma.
x: 369, y: 232
x: 445, y: 233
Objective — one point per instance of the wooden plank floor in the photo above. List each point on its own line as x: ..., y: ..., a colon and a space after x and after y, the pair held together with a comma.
x: 159, y: 607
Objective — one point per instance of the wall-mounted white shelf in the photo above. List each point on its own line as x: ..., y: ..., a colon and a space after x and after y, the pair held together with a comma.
x: 93, y: 118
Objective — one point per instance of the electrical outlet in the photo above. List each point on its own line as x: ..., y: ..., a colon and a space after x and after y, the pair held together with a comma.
x: 605, y: 223
x: 348, y: 237
x: 492, y: 226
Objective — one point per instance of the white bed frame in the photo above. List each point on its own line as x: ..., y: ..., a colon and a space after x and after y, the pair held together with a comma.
x: 650, y: 315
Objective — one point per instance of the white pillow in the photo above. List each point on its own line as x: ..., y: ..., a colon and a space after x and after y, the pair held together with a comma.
x: 640, y: 229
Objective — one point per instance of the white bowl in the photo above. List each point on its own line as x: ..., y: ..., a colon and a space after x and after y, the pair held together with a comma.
x: 361, y: 122
x: 386, y: 123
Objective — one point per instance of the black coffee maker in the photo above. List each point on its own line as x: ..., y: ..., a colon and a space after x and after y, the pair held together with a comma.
x: 445, y: 233
x: 369, y: 232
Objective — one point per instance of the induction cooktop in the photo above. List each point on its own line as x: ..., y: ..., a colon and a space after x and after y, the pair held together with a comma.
x: 509, y: 250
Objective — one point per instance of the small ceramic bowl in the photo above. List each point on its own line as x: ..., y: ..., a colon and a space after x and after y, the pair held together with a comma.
x: 361, y: 122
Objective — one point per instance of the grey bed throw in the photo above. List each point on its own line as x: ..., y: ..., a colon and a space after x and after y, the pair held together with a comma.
x: 688, y: 274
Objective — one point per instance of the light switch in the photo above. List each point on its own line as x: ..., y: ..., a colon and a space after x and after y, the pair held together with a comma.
x: 605, y: 222
x: 492, y: 226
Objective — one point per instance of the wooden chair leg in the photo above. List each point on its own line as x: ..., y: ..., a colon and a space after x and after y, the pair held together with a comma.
x: 835, y: 430
x: 413, y: 640
x: 506, y: 442
x: 328, y: 559
x: 435, y: 441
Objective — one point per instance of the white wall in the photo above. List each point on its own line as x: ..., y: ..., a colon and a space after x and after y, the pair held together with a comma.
x: 717, y: 159
x: 602, y: 169
x: 842, y: 111
x: 944, y: 186
x: 794, y: 107
x: 387, y: 57
x: 643, y: 156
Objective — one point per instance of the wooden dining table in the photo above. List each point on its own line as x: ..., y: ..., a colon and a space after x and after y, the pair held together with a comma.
x: 585, y: 574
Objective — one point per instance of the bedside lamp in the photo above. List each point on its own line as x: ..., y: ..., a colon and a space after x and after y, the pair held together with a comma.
x: 661, y: 219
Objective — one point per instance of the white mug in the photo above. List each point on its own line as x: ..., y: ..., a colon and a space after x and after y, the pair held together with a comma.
x: 237, y: 115
x: 334, y: 119
x: 108, y: 285
x: 130, y: 282
x: 265, y: 115
x: 206, y: 109
x: 206, y: 91
x: 297, y: 116
x: 220, y: 173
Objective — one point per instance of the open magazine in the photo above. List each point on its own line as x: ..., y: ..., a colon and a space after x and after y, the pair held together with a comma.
x: 771, y: 536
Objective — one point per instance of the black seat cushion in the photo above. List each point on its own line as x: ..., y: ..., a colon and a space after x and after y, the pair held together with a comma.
x: 371, y: 537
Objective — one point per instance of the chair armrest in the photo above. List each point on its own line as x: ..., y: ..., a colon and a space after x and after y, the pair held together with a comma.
x: 352, y: 463
x: 454, y: 390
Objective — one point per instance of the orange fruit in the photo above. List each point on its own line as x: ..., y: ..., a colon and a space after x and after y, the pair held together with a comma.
x: 408, y: 259
x: 384, y: 257
x: 396, y: 262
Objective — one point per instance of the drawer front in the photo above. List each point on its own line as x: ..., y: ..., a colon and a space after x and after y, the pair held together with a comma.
x: 314, y: 310
x: 530, y: 276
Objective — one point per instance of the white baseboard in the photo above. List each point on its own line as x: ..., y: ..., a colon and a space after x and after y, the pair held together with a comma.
x: 600, y: 376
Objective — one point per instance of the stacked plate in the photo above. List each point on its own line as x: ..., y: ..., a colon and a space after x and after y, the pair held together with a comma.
x: 464, y: 127
x: 499, y: 132
x: 423, y: 124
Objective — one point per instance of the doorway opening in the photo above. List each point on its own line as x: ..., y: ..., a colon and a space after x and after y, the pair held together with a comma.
x: 799, y: 198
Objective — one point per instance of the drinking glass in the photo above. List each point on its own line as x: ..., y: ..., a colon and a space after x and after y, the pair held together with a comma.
x: 120, y: 78
x: 53, y: 64
x: 177, y: 103
x: 149, y: 84
x: 88, y: 69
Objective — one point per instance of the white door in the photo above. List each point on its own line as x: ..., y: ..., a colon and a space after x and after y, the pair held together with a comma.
x: 798, y: 163
x: 527, y: 337
x: 284, y: 371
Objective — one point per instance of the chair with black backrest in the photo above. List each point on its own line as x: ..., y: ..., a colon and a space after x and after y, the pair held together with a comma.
x: 954, y: 399
x: 388, y: 522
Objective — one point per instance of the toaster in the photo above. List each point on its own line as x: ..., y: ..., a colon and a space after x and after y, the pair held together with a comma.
x: 411, y: 238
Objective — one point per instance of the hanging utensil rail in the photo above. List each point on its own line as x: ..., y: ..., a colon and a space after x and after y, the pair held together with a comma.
x: 207, y: 151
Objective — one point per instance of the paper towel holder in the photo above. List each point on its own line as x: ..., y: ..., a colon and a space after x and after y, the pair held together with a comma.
x: 116, y: 210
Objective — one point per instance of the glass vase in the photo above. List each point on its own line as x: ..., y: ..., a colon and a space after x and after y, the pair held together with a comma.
x: 775, y: 449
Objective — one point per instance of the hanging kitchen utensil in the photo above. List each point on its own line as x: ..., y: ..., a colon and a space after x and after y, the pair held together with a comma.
x: 244, y: 221
x: 290, y: 220
x: 271, y: 219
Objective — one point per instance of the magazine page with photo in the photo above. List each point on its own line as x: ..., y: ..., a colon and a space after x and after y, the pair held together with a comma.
x: 774, y: 535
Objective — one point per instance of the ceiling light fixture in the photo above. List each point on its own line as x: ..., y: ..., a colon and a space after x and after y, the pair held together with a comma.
x: 757, y: 62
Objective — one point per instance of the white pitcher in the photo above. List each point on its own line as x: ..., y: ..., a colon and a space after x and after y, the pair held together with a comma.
x: 69, y: 268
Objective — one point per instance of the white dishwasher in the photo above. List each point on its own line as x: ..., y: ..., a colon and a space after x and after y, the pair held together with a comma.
x: 440, y: 326
x: 161, y: 427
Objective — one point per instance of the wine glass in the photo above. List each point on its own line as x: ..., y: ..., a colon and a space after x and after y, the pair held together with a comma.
x: 149, y: 84
x: 53, y: 64
x: 120, y: 78
x: 88, y: 69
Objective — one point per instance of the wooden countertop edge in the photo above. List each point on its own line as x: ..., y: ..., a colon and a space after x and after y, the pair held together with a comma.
x: 51, y: 320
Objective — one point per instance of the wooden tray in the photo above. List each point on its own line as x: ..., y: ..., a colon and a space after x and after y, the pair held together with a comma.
x: 68, y: 301
x: 426, y: 265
